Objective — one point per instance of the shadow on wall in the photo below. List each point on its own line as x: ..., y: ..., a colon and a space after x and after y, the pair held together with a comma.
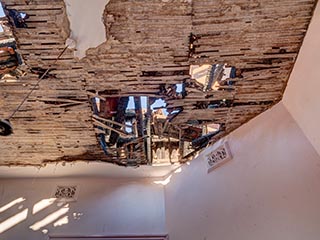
x: 59, y: 214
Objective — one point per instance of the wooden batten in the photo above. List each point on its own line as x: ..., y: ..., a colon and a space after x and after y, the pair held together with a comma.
x: 148, y: 46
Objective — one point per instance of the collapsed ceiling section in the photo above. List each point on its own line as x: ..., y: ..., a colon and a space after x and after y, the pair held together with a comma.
x: 171, y: 78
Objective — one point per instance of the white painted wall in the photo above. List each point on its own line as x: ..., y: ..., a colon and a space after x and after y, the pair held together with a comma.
x: 270, y: 190
x: 104, y: 207
x: 86, y: 24
x: 302, y: 96
x: 85, y: 169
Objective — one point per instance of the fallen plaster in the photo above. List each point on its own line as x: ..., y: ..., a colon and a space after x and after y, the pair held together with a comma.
x: 86, y: 24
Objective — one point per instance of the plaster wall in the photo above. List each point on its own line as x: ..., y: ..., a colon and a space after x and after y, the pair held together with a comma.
x: 86, y: 24
x: 104, y: 207
x: 269, y: 190
x: 85, y: 170
x: 302, y: 94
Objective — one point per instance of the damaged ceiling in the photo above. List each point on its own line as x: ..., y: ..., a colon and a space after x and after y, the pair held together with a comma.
x: 213, y: 64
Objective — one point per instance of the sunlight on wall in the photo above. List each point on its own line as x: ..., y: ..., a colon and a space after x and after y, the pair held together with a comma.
x: 11, y: 204
x: 14, y: 220
x: 61, y: 221
x: 50, y: 218
x: 77, y: 216
x: 164, y: 182
x: 39, y: 206
x: 58, y: 218
x: 168, y: 179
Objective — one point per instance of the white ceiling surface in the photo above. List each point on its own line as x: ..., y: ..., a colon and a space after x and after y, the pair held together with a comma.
x: 302, y: 96
x: 83, y: 169
x: 87, y: 28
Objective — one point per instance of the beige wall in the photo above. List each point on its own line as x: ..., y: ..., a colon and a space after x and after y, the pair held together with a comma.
x: 302, y: 96
x: 270, y: 190
x: 104, y: 207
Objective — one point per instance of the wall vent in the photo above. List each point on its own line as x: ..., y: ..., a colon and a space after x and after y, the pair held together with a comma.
x: 66, y: 193
x: 218, y: 157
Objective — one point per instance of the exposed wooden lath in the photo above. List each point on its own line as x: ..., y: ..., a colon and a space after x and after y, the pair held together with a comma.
x: 44, y: 130
x: 148, y: 46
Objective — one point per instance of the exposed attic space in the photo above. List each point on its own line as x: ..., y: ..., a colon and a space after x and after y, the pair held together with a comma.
x: 245, y: 50
x: 10, y: 59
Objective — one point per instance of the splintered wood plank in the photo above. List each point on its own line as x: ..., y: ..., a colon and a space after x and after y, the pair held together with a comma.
x: 147, y: 48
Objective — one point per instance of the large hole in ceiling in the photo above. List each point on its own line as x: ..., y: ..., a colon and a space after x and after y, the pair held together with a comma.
x: 169, y: 78
x: 140, y: 130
